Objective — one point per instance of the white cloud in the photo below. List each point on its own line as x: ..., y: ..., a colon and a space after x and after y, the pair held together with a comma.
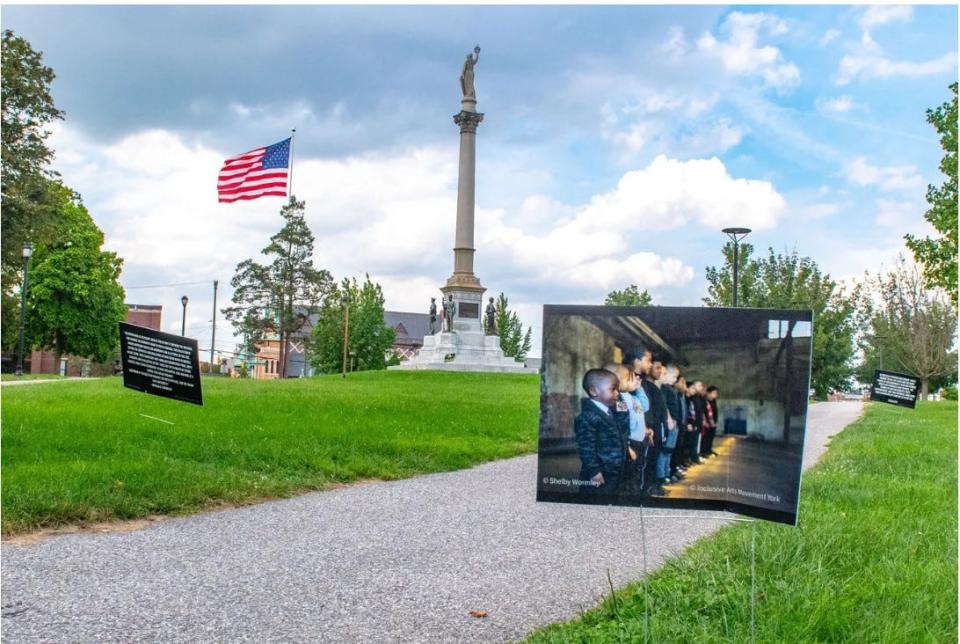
x: 813, y: 204
x: 742, y: 54
x: 668, y: 193
x: 816, y: 211
x: 280, y: 117
x: 875, y: 66
x: 676, y: 44
x: 634, y: 138
x: 902, y: 216
x: 837, y: 104
x: 713, y: 137
x: 829, y: 36
x: 905, y: 177
x: 605, y: 243
x: 868, y: 61
x: 882, y: 14
x: 671, y: 124
x: 696, y: 106
x: 674, y: 102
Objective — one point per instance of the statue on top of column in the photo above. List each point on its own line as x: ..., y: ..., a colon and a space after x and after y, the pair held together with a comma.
x: 466, y: 76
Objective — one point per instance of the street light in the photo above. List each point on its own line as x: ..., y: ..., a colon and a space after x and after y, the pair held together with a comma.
x: 345, y: 300
x: 27, y: 252
x: 183, y: 323
x: 736, y: 234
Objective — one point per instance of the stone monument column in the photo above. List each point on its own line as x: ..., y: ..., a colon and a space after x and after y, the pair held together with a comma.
x: 463, y: 250
x: 463, y: 284
x: 462, y: 345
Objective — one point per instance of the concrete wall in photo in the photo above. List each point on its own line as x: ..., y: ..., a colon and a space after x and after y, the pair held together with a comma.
x: 571, y: 346
x: 753, y: 384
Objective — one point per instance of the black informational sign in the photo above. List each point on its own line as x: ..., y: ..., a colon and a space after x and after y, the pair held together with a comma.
x: 895, y: 388
x: 160, y: 363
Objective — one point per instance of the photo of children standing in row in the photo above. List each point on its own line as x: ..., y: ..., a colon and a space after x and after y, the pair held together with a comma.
x: 674, y: 406
x: 641, y: 427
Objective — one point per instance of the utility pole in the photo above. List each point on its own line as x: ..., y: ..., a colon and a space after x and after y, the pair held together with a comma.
x: 27, y: 251
x: 346, y: 329
x: 213, y: 337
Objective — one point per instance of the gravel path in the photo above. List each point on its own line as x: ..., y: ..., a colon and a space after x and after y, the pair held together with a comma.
x: 395, y: 561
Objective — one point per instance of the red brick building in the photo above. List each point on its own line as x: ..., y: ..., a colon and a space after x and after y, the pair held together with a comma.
x: 145, y: 315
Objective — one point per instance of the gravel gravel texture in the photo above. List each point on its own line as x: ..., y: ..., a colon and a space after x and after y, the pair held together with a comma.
x: 402, y: 561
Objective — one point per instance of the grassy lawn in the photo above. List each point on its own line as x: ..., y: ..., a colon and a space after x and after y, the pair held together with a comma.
x: 874, y: 558
x: 81, y: 452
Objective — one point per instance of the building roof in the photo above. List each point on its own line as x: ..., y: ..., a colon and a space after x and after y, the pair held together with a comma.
x: 410, y: 327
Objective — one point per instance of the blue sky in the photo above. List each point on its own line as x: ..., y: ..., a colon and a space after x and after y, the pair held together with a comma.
x: 617, y: 141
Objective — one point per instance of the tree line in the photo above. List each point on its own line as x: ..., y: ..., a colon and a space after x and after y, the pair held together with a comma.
x: 287, y: 298
x: 73, y: 297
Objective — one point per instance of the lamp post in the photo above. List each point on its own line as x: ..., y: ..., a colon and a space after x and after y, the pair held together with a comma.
x: 345, y: 300
x: 27, y: 252
x: 183, y: 323
x: 736, y: 234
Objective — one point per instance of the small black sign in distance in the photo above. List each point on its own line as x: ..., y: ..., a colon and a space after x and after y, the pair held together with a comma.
x: 160, y: 363
x: 895, y: 388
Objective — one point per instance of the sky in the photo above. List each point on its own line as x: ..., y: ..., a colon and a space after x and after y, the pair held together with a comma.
x: 616, y: 144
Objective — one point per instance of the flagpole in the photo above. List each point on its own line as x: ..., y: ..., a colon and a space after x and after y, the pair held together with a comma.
x: 293, y: 132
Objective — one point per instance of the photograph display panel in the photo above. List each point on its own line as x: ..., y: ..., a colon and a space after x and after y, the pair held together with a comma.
x: 738, y: 447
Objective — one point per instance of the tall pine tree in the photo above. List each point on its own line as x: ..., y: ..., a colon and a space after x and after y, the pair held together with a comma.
x: 514, y: 342
x: 278, y: 297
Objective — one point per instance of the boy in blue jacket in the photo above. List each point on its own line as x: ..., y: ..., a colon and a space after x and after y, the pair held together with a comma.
x: 601, y: 432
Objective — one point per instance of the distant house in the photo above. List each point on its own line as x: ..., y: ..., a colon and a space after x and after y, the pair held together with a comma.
x: 410, y: 330
x: 145, y: 315
x: 265, y: 364
x: 298, y: 362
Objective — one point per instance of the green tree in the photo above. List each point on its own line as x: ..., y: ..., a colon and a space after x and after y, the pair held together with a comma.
x: 278, y: 297
x: 27, y: 109
x: 630, y: 296
x: 514, y: 342
x: 788, y: 281
x: 74, y: 298
x: 910, y: 328
x: 939, y: 255
x: 369, y: 337
x: 30, y: 201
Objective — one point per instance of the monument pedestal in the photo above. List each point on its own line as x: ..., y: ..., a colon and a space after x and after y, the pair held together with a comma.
x: 463, y: 351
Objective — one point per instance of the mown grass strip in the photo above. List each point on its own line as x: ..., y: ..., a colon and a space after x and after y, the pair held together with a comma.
x: 874, y: 558
x: 9, y: 377
x: 80, y: 452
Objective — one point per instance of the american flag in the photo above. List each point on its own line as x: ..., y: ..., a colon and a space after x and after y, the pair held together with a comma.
x: 257, y: 173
